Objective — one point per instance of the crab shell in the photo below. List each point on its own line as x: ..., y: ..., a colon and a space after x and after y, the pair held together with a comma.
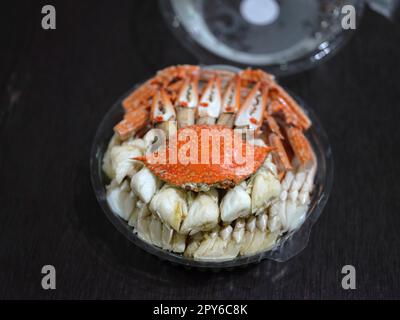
x: 214, y: 151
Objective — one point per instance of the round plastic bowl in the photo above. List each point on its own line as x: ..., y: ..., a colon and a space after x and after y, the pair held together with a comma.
x: 282, y: 37
x: 289, y: 244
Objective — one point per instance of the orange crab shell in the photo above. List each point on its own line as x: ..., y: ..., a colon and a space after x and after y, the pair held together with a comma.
x: 206, y: 164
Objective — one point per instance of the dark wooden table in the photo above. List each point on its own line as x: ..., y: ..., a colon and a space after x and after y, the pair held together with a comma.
x: 57, y: 85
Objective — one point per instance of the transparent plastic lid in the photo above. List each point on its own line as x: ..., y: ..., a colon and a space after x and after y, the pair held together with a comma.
x: 282, y: 36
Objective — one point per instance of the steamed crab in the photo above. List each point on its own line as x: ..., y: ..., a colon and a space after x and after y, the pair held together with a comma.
x: 202, y: 205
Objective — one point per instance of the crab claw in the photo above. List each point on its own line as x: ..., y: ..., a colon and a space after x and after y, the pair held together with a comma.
x: 230, y: 102
x: 187, y: 102
x: 218, y: 158
x: 163, y: 113
x: 189, y: 96
x: 251, y: 114
x: 162, y: 109
x: 210, y: 102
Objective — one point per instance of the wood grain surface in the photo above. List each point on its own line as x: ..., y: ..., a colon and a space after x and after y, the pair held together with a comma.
x: 55, y: 87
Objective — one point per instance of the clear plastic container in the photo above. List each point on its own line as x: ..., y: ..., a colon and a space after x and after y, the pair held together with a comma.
x: 288, y: 246
x: 283, y: 37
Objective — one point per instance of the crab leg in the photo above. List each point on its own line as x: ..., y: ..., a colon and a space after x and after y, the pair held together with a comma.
x: 210, y: 74
x: 163, y: 114
x: 282, y: 101
x: 210, y: 102
x: 301, y: 146
x: 279, y: 154
x: 272, y: 124
x: 132, y: 123
x: 141, y: 97
x: 187, y: 102
x: 250, y: 75
x: 230, y: 103
x: 173, y: 78
x: 251, y: 114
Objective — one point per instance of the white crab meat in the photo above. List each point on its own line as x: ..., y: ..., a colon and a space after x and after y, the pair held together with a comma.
x: 270, y: 240
x: 145, y: 184
x: 137, y: 143
x: 178, y: 243
x: 274, y: 224
x: 239, y: 230
x: 270, y: 166
x: 143, y: 222
x: 261, y: 242
x: 140, y: 210
x: 203, y: 213
x: 277, y: 215
x: 266, y: 189
x: 255, y: 245
x: 235, y: 204
x: 155, y: 231
x: 204, y: 248
x: 132, y: 222
x: 247, y: 240
x: 258, y: 242
x: 287, y: 180
x: 167, y: 234
x: 107, y: 164
x: 262, y: 222
x: 212, y: 247
x: 304, y: 194
x: 120, y: 199
x: 295, y: 216
x: 298, y: 181
x: 232, y: 250
x: 122, y: 161
x: 170, y: 205
x: 226, y: 232
x: 251, y: 226
x: 225, y: 247
x: 194, y: 244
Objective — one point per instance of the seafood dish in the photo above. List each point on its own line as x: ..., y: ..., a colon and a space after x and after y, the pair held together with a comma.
x: 211, y: 164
